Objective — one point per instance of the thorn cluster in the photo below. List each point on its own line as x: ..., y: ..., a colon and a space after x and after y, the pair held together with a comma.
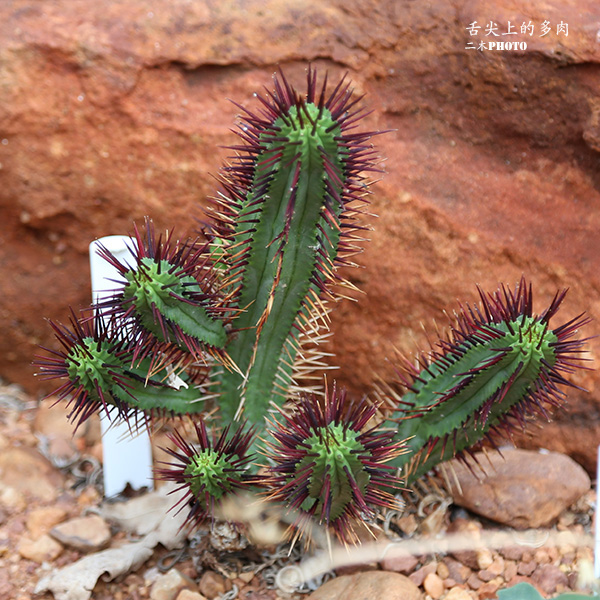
x: 500, y: 366
x: 171, y: 297
x: 209, y: 470
x: 93, y: 364
x: 328, y: 464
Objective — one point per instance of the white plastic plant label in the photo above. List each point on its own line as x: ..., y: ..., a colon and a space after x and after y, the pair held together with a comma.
x: 127, y: 455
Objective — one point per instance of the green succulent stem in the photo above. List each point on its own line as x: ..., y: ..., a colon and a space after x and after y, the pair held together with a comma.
x: 455, y: 403
x: 288, y: 237
x: 333, y: 455
x: 108, y: 378
x: 92, y: 365
x: 207, y: 472
x: 157, y: 287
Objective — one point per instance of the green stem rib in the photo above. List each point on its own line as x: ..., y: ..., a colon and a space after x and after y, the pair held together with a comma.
x: 288, y: 237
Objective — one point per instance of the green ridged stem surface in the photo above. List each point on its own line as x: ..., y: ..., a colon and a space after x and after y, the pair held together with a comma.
x: 332, y: 449
x: 153, y: 284
x: 450, y: 417
x: 261, y: 357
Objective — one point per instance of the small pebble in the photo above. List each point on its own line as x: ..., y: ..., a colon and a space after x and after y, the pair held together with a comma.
x: 526, y: 568
x: 418, y: 577
x: 44, y: 549
x: 190, y: 595
x: 457, y: 570
x: 42, y: 520
x: 213, y: 584
x: 550, y: 579
x: 85, y: 534
x: 433, y: 585
x: 169, y: 585
x: 510, y: 569
x: 400, y: 563
x: 488, y: 589
x: 512, y: 552
x: 458, y: 593
x: 443, y: 571
x: 474, y: 582
x: 484, y: 558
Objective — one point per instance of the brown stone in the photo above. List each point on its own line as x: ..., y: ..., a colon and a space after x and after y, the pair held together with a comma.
x: 190, y: 595
x: 521, y: 488
x: 382, y: 585
x: 433, y: 585
x: 42, y: 520
x: 85, y: 534
x: 457, y: 570
x: 510, y: 569
x: 43, y: 549
x: 170, y: 585
x: 400, y: 563
x: 550, y: 579
x: 442, y: 570
x: 474, y: 582
x: 418, y: 577
x: 488, y: 589
x: 512, y: 552
x: 526, y: 568
x: 491, y: 173
x: 458, y: 593
x: 213, y: 584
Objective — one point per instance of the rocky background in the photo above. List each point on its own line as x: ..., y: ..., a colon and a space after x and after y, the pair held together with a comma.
x: 116, y: 109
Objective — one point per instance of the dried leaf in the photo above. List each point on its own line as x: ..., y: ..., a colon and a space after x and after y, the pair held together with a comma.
x: 147, y: 515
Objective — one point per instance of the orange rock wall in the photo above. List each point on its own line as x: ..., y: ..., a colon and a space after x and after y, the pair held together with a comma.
x: 112, y: 110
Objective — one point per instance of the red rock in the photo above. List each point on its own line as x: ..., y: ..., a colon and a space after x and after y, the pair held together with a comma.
x: 400, y: 563
x: 520, y: 488
x: 491, y: 169
x: 550, y: 579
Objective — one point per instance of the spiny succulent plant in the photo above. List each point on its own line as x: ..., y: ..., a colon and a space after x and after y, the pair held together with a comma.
x: 170, y: 296
x: 238, y: 315
x: 100, y: 373
x: 500, y: 366
x: 328, y: 462
x: 286, y: 220
x: 209, y: 470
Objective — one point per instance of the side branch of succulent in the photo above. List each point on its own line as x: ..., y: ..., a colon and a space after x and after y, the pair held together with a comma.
x: 229, y: 324
x: 500, y: 367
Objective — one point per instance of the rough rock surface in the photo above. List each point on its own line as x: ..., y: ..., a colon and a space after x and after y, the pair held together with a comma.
x: 111, y: 111
x: 520, y: 488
